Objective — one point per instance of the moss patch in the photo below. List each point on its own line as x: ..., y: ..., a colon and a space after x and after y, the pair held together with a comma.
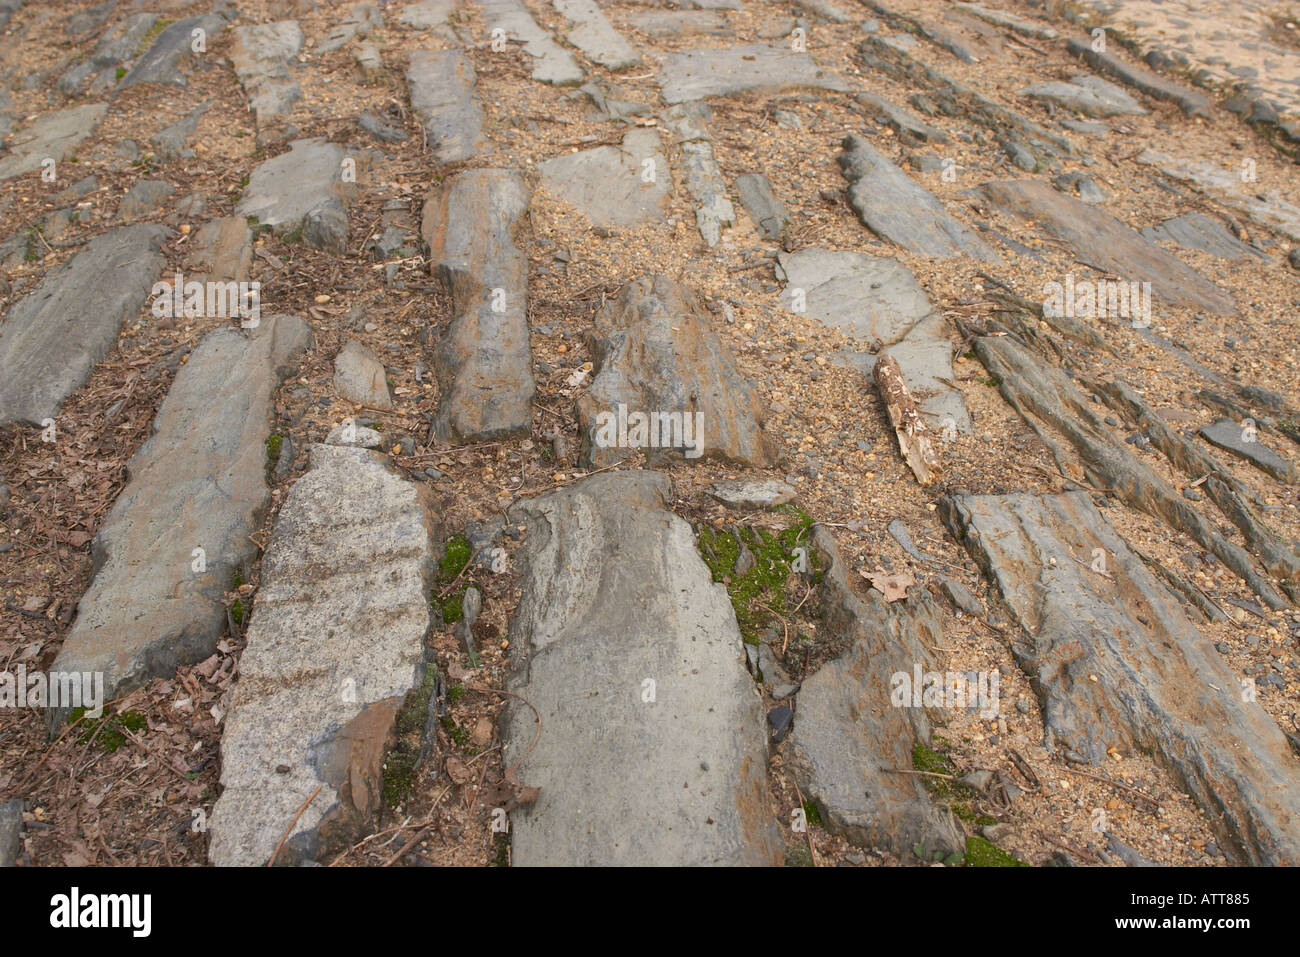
x: 454, y: 560
x: 982, y: 853
x: 412, y: 719
x: 112, y: 736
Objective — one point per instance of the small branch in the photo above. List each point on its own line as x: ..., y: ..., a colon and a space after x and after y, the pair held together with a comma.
x: 913, y: 436
x: 285, y: 836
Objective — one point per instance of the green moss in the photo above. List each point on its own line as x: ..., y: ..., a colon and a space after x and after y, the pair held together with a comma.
x: 120, y: 72
x: 501, y: 842
x: 982, y: 853
x: 238, y: 611
x: 764, y: 583
x: 963, y: 811
x: 412, y: 719
x: 454, y: 560
x: 147, y: 41
x: 112, y: 736
x: 798, y: 855
x: 811, y: 813
x: 455, y: 693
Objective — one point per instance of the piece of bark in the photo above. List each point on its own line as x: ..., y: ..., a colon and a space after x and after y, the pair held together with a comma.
x: 913, y: 437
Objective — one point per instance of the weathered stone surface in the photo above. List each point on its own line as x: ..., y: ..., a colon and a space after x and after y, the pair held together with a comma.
x: 552, y: 63
x: 484, y: 360
x: 52, y: 338
x: 681, y: 23
x: 961, y: 596
x: 1105, y: 243
x: 170, y: 143
x: 696, y: 74
x: 1117, y: 665
x: 751, y: 493
x: 335, y: 642
x: 656, y: 354
x: 444, y: 97
x: 168, y: 59
x: 284, y: 190
x: 143, y: 198
x: 1242, y: 442
x: 1087, y: 94
x: 51, y: 135
x: 1200, y: 232
x: 605, y: 183
x: 114, y: 47
x: 223, y: 250
x: 595, y: 36
x: 359, y: 377
x: 1191, y: 102
x: 1266, y: 207
x: 848, y: 737
x: 11, y: 832
x: 826, y: 10
x: 615, y: 593
x: 768, y: 213
x: 892, y: 205
x: 699, y: 168
x: 911, y: 129
x: 349, y: 433
x: 1012, y: 21
x: 261, y: 56
x: 426, y: 14
x: 362, y: 20
x: 864, y: 296
x: 198, y: 482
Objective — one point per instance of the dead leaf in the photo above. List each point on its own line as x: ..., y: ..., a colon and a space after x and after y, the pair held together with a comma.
x: 457, y: 770
x: 893, y: 586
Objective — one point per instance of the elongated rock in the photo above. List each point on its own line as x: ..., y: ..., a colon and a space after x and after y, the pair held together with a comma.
x: 1191, y: 102
x: 336, y: 641
x: 444, y: 96
x: 261, y: 56
x: 1105, y: 243
x: 1266, y: 206
x: 595, y: 36
x: 849, y: 738
x: 1117, y: 665
x: 199, y: 482
x: 52, y: 339
x: 169, y: 56
x: 50, y: 136
x: 285, y: 191
x: 551, y: 62
x: 484, y: 359
x: 892, y: 205
x: 665, y: 383
x: 697, y: 74
x: 699, y: 167
x: 632, y: 656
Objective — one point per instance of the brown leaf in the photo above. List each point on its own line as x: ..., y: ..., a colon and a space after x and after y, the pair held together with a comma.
x: 457, y: 770
x: 892, y: 586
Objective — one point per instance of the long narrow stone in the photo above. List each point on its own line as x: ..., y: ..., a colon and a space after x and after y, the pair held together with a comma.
x: 652, y: 749
x: 484, y: 360
x: 1191, y: 102
x: 552, y: 63
x: 199, y: 482
x: 1118, y: 666
x: 444, y: 96
x: 53, y: 338
x: 336, y: 641
x: 50, y: 136
x: 595, y: 36
x: 1227, y: 186
x: 261, y: 55
x: 173, y: 51
x: 697, y: 74
x: 713, y: 210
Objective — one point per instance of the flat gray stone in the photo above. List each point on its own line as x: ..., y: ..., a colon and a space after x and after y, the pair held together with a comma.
x: 11, y: 832
x: 283, y: 190
x: 199, y: 481
x: 658, y: 356
x: 1200, y: 232
x: 911, y: 129
x: 826, y: 10
x: 696, y: 74
x: 615, y: 595
x: 143, y: 198
x: 867, y: 297
x: 1089, y: 95
x: 170, y: 143
x: 961, y: 596
x: 362, y: 20
x: 1105, y: 243
x: 681, y: 23
x: 484, y: 360
x: 1012, y: 21
x: 1117, y: 665
x: 847, y: 736
x: 551, y: 62
x: 114, y: 47
x: 261, y: 56
x: 751, y: 493
x: 222, y: 250
x: 168, y: 59
x: 606, y: 183
x: 50, y: 136
x: 445, y: 99
x: 1244, y: 443
x: 688, y: 123
x: 1267, y: 207
x: 1191, y: 102
x: 53, y: 337
x: 893, y: 206
x: 359, y: 377
x: 426, y: 14
x: 595, y: 36
x: 768, y: 213
x: 336, y: 640
x: 359, y: 436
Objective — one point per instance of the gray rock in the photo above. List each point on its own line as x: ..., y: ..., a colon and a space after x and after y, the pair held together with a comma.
x: 1087, y: 188
x: 826, y: 10
x: 222, y: 250
x: 198, y: 482
x: 361, y: 21
x: 1111, y: 677
x: 261, y: 56
x: 11, y: 832
x: 379, y: 129
x: 1089, y: 95
x: 892, y: 205
x: 848, y: 733
x: 1020, y: 156
x: 697, y: 74
x: 54, y: 336
x: 335, y: 642
x: 899, y: 533
x: 358, y: 436
x: 170, y: 56
x: 864, y: 296
x: 595, y: 36
x: 1191, y: 102
x: 699, y: 169
x: 751, y: 493
x: 1200, y: 232
x: 50, y: 136
x: 444, y: 97
x: 426, y: 14
x: 282, y: 191
x: 1130, y: 857
x: 326, y: 226
x: 471, y: 605
x: 681, y: 23
x: 1269, y: 208
x: 551, y: 62
x: 143, y: 198
x: 359, y: 377
x: 657, y: 357
x: 484, y: 361
x: 1011, y: 21
x: 584, y: 654
x: 768, y: 213
x: 114, y: 47
x: 1105, y: 243
x: 979, y: 780
x: 911, y: 129
x: 1243, y: 442
x: 606, y: 183
x: 779, y: 720
x: 171, y: 142
x: 961, y: 596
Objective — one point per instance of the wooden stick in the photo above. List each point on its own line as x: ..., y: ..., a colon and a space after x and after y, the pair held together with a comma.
x: 913, y: 437
x: 285, y: 836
